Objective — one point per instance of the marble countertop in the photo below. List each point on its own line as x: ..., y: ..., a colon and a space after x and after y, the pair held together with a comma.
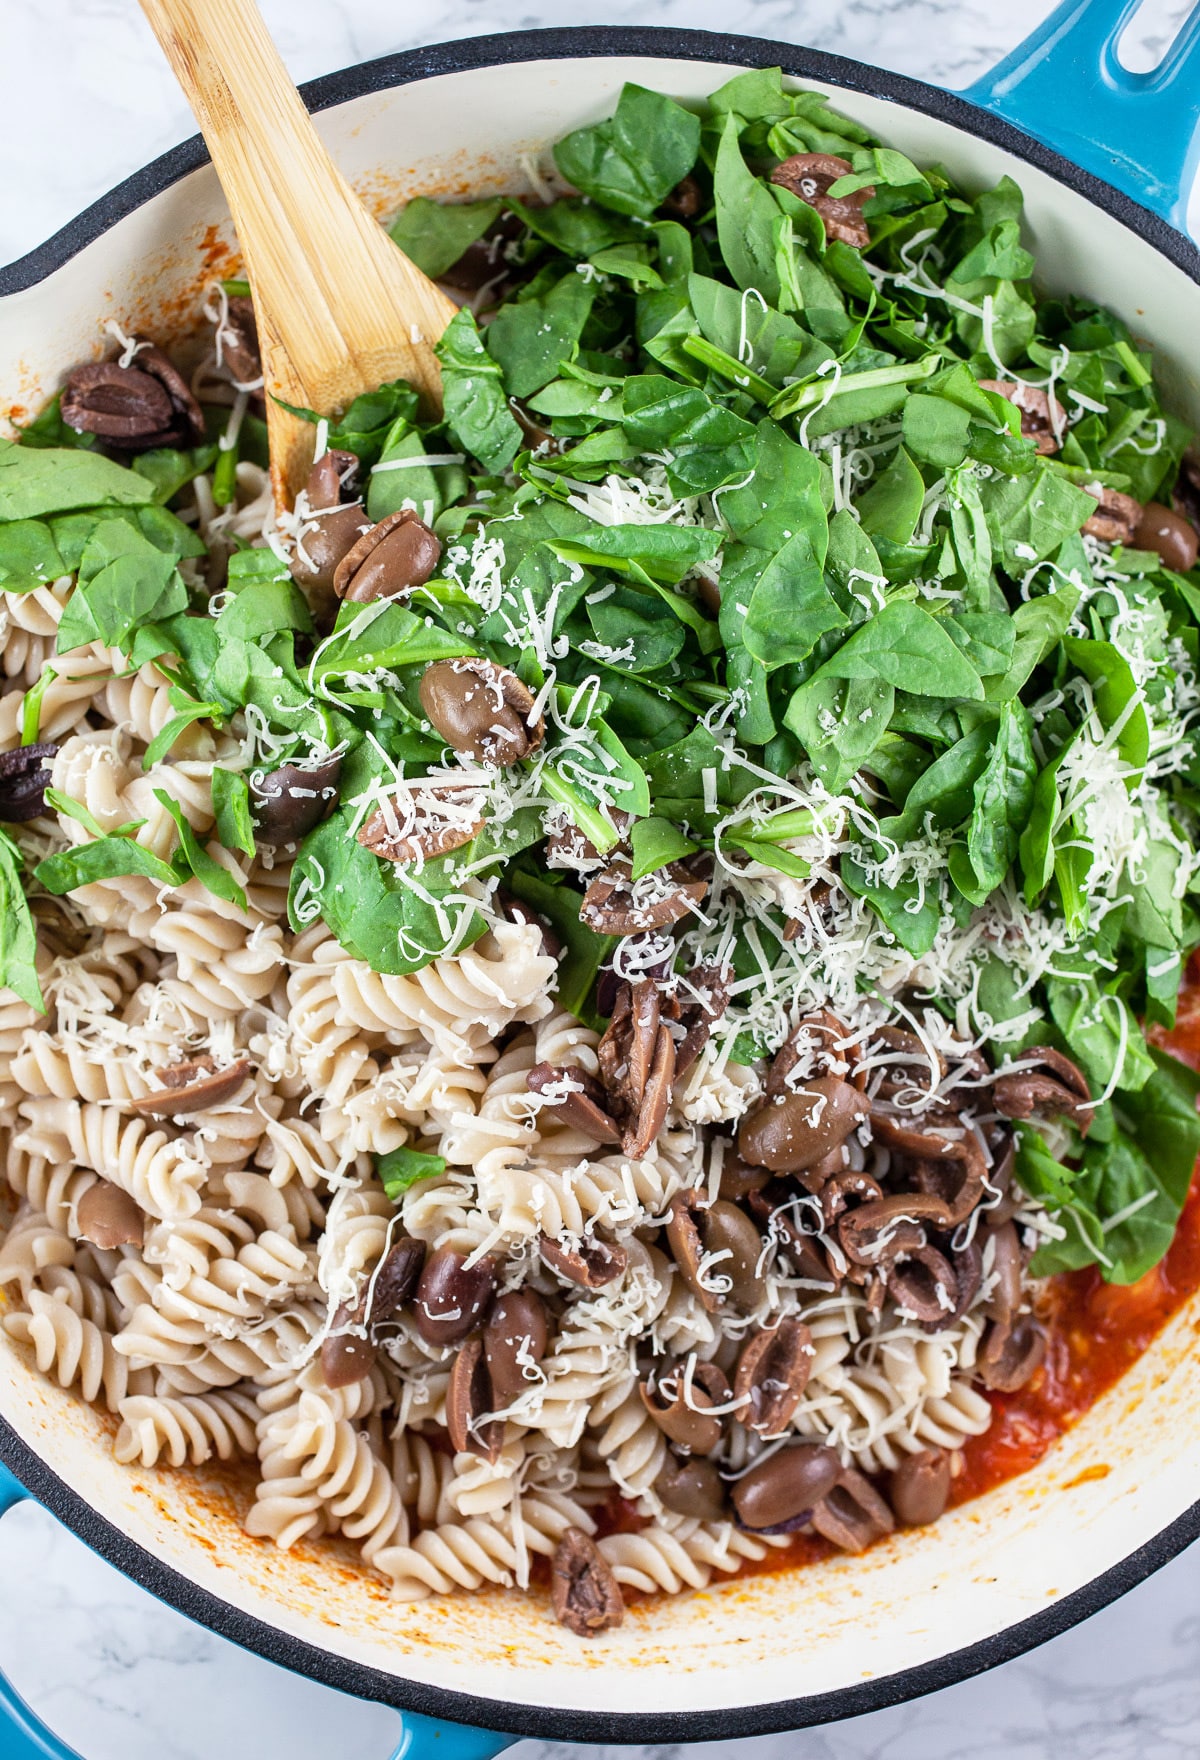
x: 87, y: 100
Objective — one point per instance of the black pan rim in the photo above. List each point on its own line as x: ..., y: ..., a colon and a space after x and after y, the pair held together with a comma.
x: 160, y: 1579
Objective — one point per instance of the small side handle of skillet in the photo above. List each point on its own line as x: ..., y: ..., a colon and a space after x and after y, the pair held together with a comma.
x: 23, y: 1736
x: 1137, y: 131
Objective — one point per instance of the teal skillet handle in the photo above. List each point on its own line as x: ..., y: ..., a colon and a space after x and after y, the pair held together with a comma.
x: 1137, y: 131
x: 25, y: 1737
x: 22, y: 1735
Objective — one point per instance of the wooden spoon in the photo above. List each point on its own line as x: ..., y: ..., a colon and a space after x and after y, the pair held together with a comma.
x: 340, y: 308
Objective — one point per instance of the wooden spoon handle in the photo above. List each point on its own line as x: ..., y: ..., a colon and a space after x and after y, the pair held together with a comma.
x: 341, y: 309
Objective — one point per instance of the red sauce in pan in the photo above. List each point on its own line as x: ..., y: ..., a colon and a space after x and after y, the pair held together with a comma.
x: 1097, y: 1329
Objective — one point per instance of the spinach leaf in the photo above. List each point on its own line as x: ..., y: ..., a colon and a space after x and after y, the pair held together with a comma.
x: 194, y: 858
x: 1115, y: 692
x: 628, y: 634
x: 1030, y: 516
x: 786, y: 494
x: 403, y: 1168
x: 368, y: 421
x: 943, y: 794
x: 531, y: 338
x: 475, y: 405
x: 791, y: 607
x: 382, y: 636
x: 910, y: 909
x: 891, y: 507
x: 839, y: 722
x: 231, y: 805
x: 666, y: 553
x: 35, y: 481
x: 28, y: 556
x: 124, y: 582
x: 655, y: 842
x: 105, y: 859
x: 1101, y: 1034
x: 632, y: 161
x: 710, y: 445
x: 750, y: 223
x: 910, y: 650
x: 585, y: 952
x: 1003, y: 797
x: 18, y: 936
x: 368, y: 906
x: 434, y: 235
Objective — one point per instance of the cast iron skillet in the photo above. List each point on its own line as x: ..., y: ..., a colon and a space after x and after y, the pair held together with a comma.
x: 1127, y: 143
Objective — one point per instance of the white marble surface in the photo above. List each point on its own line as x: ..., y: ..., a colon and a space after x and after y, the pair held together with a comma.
x: 87, y: 100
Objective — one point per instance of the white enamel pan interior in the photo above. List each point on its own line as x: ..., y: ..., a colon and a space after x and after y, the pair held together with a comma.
x: 1112, y: 1502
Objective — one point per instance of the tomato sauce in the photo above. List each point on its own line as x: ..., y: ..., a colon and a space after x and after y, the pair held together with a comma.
x: 1097, y: 1329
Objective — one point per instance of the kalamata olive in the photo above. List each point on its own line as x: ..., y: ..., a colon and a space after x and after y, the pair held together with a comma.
x: 920, y: 1487
x: 575, y: 1098
x: 481, y: 709
x: 287, y: 803
x: 1169, y: 534
x: 852, y: 1514
x: 772, y: 1373
x: 514, y: 1341
x: 703, y: 1001
x: 810, y: 176
x: 393, y: 557
x: 612, y: 905
x: 729, y: 1232
x: 1048, y: 1083
x: 108, y: 1217
x: 1012, y: 1354
x: 685, y: 200
x: 396, y: 1280
x: 786, y: 1484
x: 682, y: 1413
x: 583, y: 1591
x: 347, y: 1357
x: 922, y: 1282
x: 794, y: 1132
x: 187, y: 418
x: 468, y: 1399
x: 431, y: 835
x: 738, y: 1178
x: 240, y: 353
x: 1042, y: 421
x: 692, y: 1488
x: 1005, y: 1298
x: 192, y: 1086
x: 118, y: 403
x: 591, y: 1264
x: 24, y: 779
x: 452, y: 1296
x: 1116, y: 518
x: 333, y: 528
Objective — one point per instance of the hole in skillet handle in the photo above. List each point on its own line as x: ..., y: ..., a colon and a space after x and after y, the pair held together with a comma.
x: 1066, y: 85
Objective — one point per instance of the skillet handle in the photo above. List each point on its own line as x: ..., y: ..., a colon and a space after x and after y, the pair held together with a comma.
x: 424, y: 1739
x: 1137, y: 131
x: 25, y: 1737
x: 22, y: 1735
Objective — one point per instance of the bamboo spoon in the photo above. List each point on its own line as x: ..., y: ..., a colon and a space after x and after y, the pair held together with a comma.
x: 340, y: 308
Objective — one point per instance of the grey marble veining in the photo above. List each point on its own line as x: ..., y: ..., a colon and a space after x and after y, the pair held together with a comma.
x: 87, y: 100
